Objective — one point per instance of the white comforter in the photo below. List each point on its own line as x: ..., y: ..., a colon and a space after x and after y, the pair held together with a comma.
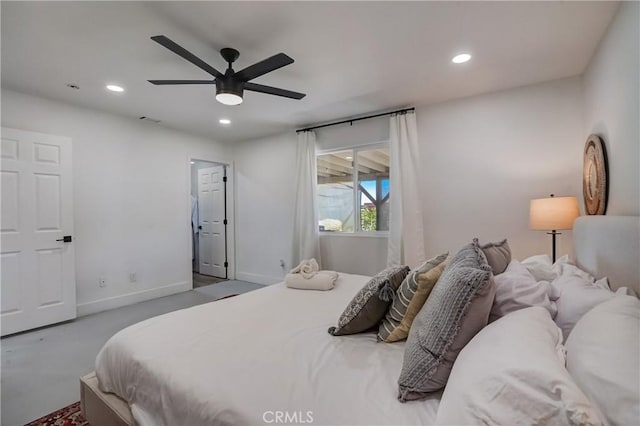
x: 254, y: 357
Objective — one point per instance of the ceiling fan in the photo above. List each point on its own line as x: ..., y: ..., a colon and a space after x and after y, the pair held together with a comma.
x: 231, y: 84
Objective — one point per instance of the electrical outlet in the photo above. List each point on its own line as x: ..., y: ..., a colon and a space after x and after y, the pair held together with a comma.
x: 282, y: 264
x: 102, y: 282
x: 133, y: 277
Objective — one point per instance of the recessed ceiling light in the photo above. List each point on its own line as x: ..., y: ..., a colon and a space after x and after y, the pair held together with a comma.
x: 225, y: 121
x: 115, y: 88
x: 348, y: 158
x: 461, y: 58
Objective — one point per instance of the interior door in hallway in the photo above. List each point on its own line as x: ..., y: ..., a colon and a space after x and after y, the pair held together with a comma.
x: 212, y: 217
x: 37, y: 257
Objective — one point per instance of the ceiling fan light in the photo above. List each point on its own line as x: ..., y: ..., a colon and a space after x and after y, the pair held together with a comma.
x: 229, y: 98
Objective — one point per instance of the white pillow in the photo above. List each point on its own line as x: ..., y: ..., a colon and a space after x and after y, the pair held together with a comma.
x: 576, y: 297
x: 570, y: 269
x: 512, y: 373
x: 517, y: 289
x: 603, y: 353
x: 540, y: 267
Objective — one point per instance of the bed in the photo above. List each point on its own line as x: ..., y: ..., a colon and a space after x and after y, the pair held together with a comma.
x: 266, y: 356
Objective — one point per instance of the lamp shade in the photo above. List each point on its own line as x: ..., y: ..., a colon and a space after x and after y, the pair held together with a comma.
x: 553, y: 213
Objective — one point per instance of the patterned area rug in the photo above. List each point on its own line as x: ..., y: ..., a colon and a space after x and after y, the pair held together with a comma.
x: 67, y: 416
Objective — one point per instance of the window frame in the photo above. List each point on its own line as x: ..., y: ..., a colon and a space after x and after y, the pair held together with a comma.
x: 355, y: 148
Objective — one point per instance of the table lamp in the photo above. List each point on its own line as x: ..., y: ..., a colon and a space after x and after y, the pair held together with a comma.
x: 552, y: 214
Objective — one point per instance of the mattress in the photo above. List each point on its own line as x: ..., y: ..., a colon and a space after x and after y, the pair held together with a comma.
x: 262, y: 357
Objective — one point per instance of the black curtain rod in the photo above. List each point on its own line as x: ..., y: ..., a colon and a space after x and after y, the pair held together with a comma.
x: 400, y: 111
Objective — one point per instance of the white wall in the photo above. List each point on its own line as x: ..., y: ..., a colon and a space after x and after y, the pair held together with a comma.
x: 131, y: 198
x: 612, y: 107
x: 265, y: 179
x: 265, y: 183
x: 484, y: 159
x: 364, y: 255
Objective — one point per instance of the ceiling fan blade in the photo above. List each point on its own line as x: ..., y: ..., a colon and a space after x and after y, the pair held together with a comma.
x: 260, y: 68
x: 273, y: 91
x: 184, y: 53
x: 166, y: 82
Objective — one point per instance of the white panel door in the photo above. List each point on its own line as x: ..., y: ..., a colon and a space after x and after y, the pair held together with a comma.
x: 37, y: 270
x: 211, y: 212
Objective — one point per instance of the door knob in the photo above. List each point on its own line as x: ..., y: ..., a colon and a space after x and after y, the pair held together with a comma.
x: 65, y: 239
x: 199, y: 226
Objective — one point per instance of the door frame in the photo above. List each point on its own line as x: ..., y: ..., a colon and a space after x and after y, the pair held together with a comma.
x: 231, y: 216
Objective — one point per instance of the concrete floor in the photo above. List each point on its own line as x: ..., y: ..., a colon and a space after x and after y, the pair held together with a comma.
x: 227, y: 288
x: 200, y: 280
x: 41, y: 368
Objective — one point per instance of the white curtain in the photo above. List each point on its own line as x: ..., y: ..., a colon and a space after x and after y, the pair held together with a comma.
x: 306, y: 236
x: 406, y: 244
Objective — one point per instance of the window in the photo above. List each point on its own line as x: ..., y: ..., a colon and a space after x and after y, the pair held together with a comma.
x: 353, y: 190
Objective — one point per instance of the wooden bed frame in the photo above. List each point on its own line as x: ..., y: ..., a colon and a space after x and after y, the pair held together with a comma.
x: 100, y: 408
x: 603, y: 245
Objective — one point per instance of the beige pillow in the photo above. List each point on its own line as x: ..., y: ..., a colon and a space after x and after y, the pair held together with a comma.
x: 426, y: 281
x: 409, y: 298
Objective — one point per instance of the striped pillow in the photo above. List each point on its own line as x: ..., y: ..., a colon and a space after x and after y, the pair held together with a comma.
x: 409, y: 298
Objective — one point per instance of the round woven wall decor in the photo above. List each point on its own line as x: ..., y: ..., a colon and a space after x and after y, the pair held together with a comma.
x: 595, y: 178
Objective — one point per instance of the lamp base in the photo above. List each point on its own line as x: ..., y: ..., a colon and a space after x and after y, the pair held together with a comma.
x: 553, y: 234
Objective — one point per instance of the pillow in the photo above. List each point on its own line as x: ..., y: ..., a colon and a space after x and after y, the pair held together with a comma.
x: 498, y: 255
x: 512, y: 373
x: 409, y: 298
x: 456, y: 310
x: 575, y: 297
x: 602, y: 357
x: 368, y: 307
x: 542, y: 269
x: 517, y: 289
x: 570, y: 269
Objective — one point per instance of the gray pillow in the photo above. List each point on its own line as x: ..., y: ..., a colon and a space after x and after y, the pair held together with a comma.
x: 456, y: 310
x: 498, y: 255
x: 368, y: 307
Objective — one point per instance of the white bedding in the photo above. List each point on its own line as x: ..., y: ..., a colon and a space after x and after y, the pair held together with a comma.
x: 241, y: 360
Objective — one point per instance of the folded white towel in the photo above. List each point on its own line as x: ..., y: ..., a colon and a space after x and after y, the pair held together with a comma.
x: 306, y: 268
x: 323, y: 280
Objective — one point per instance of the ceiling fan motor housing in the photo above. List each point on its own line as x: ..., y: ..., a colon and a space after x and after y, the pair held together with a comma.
x: 228, y: 84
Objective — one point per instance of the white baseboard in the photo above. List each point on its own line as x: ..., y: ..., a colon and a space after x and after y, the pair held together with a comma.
x: 258, y: 278
x: 131, y: 298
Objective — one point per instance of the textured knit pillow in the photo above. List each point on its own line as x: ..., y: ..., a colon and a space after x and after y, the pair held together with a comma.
x: 368, y: 307
x: 409, y: 298
x: 498, y: 255
x: 456, y: 310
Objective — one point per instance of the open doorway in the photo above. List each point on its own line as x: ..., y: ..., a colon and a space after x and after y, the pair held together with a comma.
x: 209, y: 222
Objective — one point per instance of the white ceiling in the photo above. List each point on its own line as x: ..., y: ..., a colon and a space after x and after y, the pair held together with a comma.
x: 351, y: 58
